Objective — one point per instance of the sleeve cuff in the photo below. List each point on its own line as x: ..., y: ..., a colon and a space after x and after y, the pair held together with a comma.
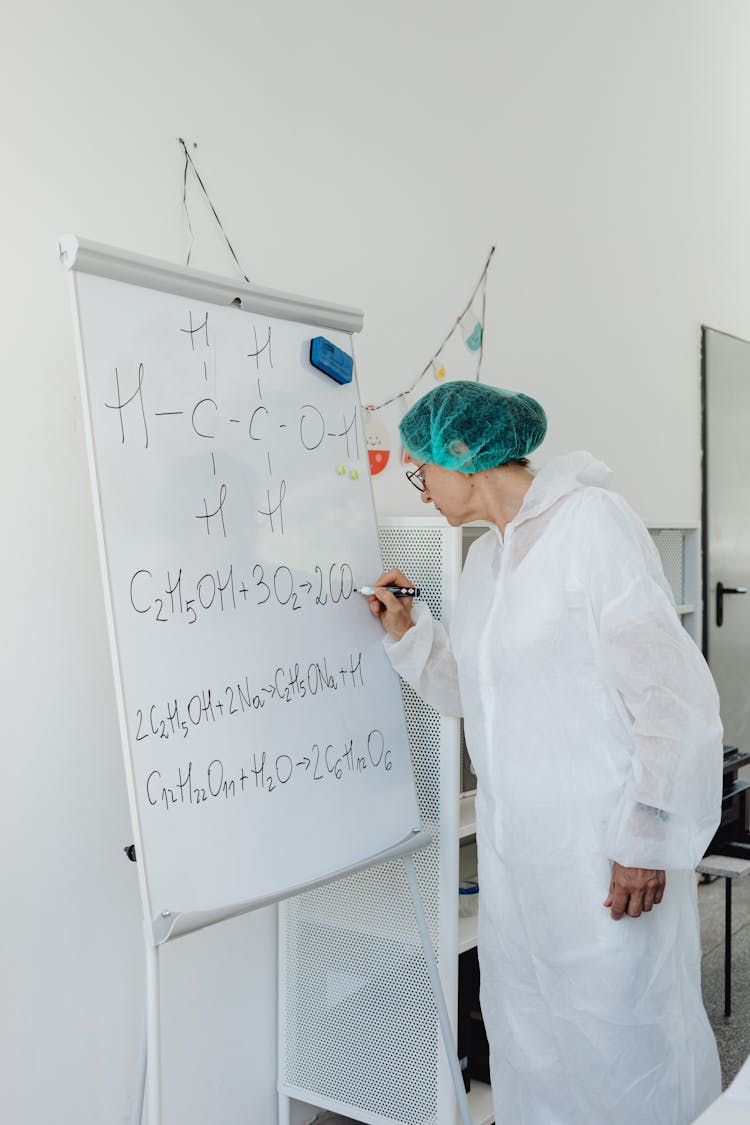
x: 411, y: 653
x: 644, y: 836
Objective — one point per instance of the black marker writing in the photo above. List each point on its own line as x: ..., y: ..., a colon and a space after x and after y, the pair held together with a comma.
x: 278, y: 509
x: 312, y: 426
x: 254, y: 422
x: 191, y: 331
x: 196, y: 408
x: 288, y: 684
x: 119, y: 406
x: 235, y: 587
x: 259, y: 350
x: 218, y: 511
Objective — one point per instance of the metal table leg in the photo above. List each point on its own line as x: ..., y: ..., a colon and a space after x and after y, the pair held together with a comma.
x: 727, y: 947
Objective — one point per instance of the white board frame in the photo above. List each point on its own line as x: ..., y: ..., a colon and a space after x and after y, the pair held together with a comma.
x: 86, y: 256
x: 82, y: 256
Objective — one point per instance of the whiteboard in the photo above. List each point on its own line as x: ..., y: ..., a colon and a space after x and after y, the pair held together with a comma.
x: 262, y: 726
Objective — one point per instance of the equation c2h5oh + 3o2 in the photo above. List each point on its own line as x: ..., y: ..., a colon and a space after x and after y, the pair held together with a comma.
x: 219, y: 591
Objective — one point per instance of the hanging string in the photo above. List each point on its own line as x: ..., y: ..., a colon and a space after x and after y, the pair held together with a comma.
x: 428, y: 365
x: 190, y: 163
x: 184, y: 202
x: 484, y: 306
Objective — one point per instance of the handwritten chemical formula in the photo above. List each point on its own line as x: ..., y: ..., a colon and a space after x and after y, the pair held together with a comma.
x: 189, y: 787
x: 235, y: 520
x: 182, y: 595
x: 143, y: 415
x: 285, y: 684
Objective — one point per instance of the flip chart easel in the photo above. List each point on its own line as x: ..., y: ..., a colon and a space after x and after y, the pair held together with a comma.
x: 234, y: 518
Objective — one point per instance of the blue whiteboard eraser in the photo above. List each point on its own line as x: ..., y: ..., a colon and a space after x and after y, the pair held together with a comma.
x: 331, y: 360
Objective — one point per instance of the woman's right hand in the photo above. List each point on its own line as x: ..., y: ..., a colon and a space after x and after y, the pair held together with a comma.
x: 394, y: 613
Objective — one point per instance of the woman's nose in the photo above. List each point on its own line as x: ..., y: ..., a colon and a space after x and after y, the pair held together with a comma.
x: 426, y: 498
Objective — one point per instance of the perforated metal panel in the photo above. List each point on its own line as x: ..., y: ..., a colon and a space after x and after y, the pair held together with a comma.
x: 359, y: 1025
x: 670, y: 543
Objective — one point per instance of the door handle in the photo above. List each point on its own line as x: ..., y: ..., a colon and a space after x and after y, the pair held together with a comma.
x: 721, y: 590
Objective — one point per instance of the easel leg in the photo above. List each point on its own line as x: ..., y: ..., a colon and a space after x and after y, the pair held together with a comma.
x: 140, y: 1076
x: 284, y: 1110
x: 437, y: 992
x: 153, y: 1036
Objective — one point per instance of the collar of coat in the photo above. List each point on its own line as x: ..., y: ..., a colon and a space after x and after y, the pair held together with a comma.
x: 560, y: 476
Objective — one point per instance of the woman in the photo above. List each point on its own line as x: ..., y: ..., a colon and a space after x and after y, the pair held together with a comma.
x: 593, y: 726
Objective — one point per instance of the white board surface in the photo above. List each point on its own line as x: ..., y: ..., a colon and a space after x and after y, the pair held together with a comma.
x: 263, y: 729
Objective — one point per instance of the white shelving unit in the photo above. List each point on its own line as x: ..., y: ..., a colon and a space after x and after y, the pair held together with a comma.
x: 467, y: 934
x: 358, y: 1032
x: 680, y: 552
x: 467, y: 824
x: 480, y: 1100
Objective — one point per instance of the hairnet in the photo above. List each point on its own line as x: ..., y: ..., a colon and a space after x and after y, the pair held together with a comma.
x: 471, y: 426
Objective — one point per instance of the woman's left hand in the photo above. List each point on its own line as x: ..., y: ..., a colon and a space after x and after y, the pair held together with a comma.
x: 633, y: 890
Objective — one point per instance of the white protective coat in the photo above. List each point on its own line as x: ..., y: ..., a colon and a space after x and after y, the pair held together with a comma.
x: 593, y: 725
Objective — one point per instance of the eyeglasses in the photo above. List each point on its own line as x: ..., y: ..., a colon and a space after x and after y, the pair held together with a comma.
x: 414, y: 476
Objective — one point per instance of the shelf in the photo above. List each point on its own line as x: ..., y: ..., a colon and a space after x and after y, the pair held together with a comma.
x: 683, y: 610
x: 467, y: 822
x: 723, y: 866
x: 480, y: 1103
x: 467, y: 933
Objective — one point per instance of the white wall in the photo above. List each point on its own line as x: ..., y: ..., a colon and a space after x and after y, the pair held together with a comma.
x: 369, y: 154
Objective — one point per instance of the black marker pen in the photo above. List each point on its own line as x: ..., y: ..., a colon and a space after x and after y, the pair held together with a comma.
x: 399, y: 591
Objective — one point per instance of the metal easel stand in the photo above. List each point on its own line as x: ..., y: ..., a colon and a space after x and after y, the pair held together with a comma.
x: 437, y: 991
x: 168, y: 926
x: 136, y: 1116
x: 148, y: 1068
x: 153, y: 1036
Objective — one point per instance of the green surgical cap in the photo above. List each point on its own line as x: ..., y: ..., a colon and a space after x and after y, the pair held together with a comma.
x: 471, y: 426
